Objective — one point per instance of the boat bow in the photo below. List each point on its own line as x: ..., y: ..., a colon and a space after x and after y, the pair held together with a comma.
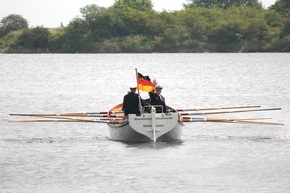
x: 153, y: 125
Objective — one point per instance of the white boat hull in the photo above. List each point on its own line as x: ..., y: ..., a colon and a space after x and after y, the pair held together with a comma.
x: 127, y: 134
x: 156, y: 127
x: 147, y: 127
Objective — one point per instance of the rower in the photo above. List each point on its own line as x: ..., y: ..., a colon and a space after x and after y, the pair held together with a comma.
x: 158, y: 100
x: 131, y: 102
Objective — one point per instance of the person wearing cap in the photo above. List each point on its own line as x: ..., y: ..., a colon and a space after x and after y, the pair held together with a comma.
x: 157, y: 99
x: 131, y: 102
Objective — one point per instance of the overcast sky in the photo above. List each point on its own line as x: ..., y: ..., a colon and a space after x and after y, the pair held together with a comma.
x: 51, y: 13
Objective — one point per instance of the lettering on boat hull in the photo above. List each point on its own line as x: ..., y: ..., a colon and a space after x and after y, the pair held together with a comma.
x: 163, y: 124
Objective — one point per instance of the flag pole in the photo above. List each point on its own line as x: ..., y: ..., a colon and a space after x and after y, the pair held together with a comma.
x: 137, y: 81
x: 140, y: 106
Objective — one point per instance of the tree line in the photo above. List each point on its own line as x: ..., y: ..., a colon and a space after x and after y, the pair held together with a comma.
x: 131, y: 26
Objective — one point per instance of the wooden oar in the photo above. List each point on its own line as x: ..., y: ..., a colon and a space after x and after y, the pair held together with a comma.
x: 223, y: 112
x: 65, y: 114
x: 58, y: 114
x: 75, y: 118
x: 229, y: 121
x: 217, y: 108
x: 68, y: 119
x: 57, y: 120
x: 244, y: 119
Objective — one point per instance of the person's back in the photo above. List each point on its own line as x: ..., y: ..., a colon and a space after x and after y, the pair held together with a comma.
x: 131, y: 103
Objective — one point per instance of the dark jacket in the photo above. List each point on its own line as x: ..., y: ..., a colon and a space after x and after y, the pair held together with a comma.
x: 131, y: 104
x: 158, y: 100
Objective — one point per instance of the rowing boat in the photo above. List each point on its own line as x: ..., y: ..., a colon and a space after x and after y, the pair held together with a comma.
x: 150, y: 126
x: 147, y: 127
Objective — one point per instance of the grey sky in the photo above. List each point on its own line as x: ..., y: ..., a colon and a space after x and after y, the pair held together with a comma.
x: 51, y: 13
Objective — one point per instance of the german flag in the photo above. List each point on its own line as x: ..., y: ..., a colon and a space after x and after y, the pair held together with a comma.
x: 144, y: 83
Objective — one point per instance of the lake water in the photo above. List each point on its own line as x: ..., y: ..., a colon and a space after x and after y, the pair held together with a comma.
x: 80, y: 157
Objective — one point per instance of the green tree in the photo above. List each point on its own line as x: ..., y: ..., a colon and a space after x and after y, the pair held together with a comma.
x: 200, y: 3
x: 9, y: 40
x: 133, y: 26
x: 92, y: 14
x: 141, y: 5
x: 77, y: 37
x: 241, y: 3
x: 222, y: 3
x: 135, y: 21
x: 103, y: 23
x: 57, y: 40
x: 133, y: 16
x: 274, y: 22
x: 197, y: 25
x: 33, y: 40
x: 12, y: 22
x: 173, y: 35
x: 228, y: 37
x: 285, y: 36
x: 281, y: 6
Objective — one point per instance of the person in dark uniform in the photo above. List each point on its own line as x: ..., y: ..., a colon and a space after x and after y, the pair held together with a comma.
x: 157, y: 99
x: 131, y: 102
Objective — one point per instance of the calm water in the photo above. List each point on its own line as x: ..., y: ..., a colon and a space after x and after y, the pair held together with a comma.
x: 80, y: 157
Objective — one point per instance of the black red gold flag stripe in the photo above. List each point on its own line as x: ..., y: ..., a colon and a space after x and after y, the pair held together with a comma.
x: 144, y: 83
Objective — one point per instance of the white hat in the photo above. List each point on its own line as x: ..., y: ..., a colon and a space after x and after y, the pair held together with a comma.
x: 132, y: 86
x: 158, y: 87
